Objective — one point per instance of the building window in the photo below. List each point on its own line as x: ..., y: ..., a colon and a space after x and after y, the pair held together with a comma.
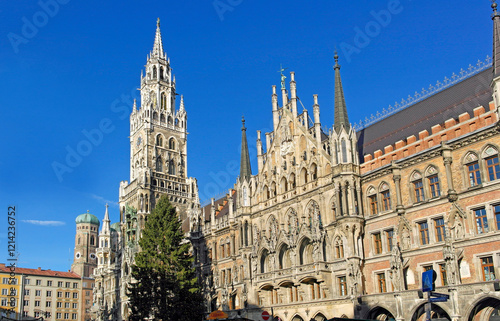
x: 66, y: 305
x: 440, y: 229
x: 58, y: 315
x: 48, y: 315
x: 75, y: 295
x: 381, y: 283
x: 444, y: 277
x: 5, y: 280
x: 488, y: 268
x: 424, y: 233
x: 26, y: 303
x: 75, y: 285
x: 38, y: 292
x: 60, y: 284
x: 5, y: 291
x: 27, y: 281
x: 73, y: 316
x: 3, y: 302
x: 373, y: 204
x: 37, y: 303
x: 474, y: 174
x: 67, y: 295
x: 59, y: 294
x: 49, y: 293
x: 434, y: 186
x: 386, y: 200
x: 377, y: 242
x: 481, y: 220
x: 390, y: 239
x: 493, y: 168
x: 342, y: 286
x: 418, y: 188
x: 48, y: 304
x: 26, y: 292
x: 339, y: 249
x: 37, y: 314
x: 75, y: 305
x: 59, y: 304
x: 496, y: 212
x: 68, y: 284
x: 66, y: 316
x: 38, y: 282
x: 49, y: 283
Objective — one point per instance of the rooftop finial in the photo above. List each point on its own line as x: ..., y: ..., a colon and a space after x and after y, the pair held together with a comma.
x: 158, y: 22
x: 245, y: 168
x: 243, y: 123
x: 336, y: 57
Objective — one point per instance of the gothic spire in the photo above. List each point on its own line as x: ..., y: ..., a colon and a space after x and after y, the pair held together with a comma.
x: 245, y: 169
x: 496, y: 40
x: 105, y: 222
x: 341, y: 117
x: 158, y: 45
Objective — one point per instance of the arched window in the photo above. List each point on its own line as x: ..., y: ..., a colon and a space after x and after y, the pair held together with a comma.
x: 385, y: 196
x: 159, y: 140
x: 432, y: 178
x: 159, y: 165
x: 154, y: 72
x: 372, y: 201
x: 303, y: 175
x: 339, y: 249
x: 245, y: 234
x: 92, y: 240
x: 473, y: 172
x: 314, y: 172
x: 79, y: 240
x: 418, y: 187
x: 171, y: 143
x: 161, y: 73
x: 163, y: 99
x: 292, y: 181
x: 171, y: 167
x: 162, y: 119
x: 155, y: 116
x: 490, y: 156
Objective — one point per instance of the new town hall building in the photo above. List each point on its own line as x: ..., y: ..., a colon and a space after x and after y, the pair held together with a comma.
x: 333, y: 224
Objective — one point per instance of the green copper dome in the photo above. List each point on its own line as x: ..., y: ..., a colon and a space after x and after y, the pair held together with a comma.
x: 115, y: 226
x: 87, y: 218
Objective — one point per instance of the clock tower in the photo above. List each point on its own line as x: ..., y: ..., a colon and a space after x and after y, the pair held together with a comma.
x: 158, y: 155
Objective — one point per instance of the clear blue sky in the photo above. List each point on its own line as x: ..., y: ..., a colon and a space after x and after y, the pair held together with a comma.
x: 65, y: 72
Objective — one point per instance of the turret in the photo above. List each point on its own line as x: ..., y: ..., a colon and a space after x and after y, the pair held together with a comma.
x: 260, y: 161
x: 317, y: 123
x: 276, y: 116
x: 293, y: 94
x: 245, y: 168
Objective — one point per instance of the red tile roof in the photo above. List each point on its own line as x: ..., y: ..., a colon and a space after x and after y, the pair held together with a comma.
x: 39, y: 272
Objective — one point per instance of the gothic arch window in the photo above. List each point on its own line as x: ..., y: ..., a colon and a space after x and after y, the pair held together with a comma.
x: 291, y: 181
x: 473, y: 172
x: 159, y: 165
x: 154, y: 72
x: 433, y: 183
x: 314, y: 172
x: 266, y: 193
x: 163, y: 100
x: 306, y: 250
x: 161, y: 73
x: 171, y: 143
x: 285, y: 261
x: 171, y: 167
x: 283, y: 185
x: 372, y: 200
x: 159, y: 140
x: 339, y: 248
x: 385, y: 197
x: 273, y: 189
x: 177, y: 122
x: 491, y: 164
x: 303, y: 176
x: 169, y: 121
x: 246, y: 233
x: 417, y: 187
x: 92, y: 240
x: 155, y: 116
x: 264, y: 262
x: 162, y: 119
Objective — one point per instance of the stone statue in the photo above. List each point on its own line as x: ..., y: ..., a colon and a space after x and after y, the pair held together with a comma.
x: 354, y: 274
x: 451, y: 263
x: 397, y: 269
x: 254, y: 266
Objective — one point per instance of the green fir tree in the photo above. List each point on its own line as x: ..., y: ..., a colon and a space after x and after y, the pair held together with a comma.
x: 164, y: 285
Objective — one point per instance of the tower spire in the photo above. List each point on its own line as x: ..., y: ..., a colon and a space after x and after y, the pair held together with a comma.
x: 496, y: 40
x: 158, y: 45
x: 105, y: 222
x: 341, y: 118
x: 245, y: 169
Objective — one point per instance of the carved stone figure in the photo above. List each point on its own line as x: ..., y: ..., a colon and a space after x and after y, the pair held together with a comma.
x: 354, y: 274
x: 397, y: 269
x: 405, y: 237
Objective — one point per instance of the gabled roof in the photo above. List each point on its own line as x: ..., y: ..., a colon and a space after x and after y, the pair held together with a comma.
x: 460, y: 98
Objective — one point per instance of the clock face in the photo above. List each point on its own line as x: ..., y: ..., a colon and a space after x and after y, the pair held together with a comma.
x: 78, y: 255
x: 92, y: 256
x: 139, y: 141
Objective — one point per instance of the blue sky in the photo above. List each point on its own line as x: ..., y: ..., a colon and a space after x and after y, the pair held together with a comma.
x: 67, y: 69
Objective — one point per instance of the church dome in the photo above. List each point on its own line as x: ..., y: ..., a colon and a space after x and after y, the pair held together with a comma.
x: 87, y: 218
x: 115, y: 226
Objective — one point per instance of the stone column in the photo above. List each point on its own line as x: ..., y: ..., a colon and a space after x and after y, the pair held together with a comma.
x: 447, y: 159
x: 396, y: 176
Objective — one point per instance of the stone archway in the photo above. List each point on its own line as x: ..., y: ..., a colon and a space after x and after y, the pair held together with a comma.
x: 297, y: 318
x: 487, y: 309
x: 381, y: 314
x: 436, y: 313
